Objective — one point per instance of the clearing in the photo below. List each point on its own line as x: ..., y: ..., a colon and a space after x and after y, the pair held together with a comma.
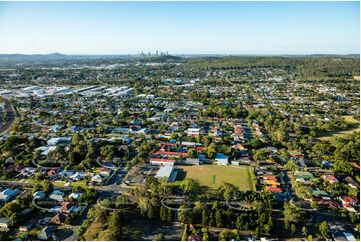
x: 353, y: 126
x: 212, y: 176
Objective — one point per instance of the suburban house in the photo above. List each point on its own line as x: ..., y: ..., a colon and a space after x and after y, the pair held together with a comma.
x: 53, y: 172
x: 39, y: 195
x: 57, y: 195
x: 192, y: 161
x: 271, y: 184
x: 46, y: 233
x: 352, y: 183
x: 98, y: 178
x: 75, y: 196
x: 26, y: 227
x: 58, y: 141
x: 77, y: 176
x: 304, y: 176
x: 105, y: 171
x: 330, y: 178
x: 221, y: 159
x: 193, y: 131
x: 8, y: 194
x: 161, y: 161
x: 349, y: 202
x: 4, y: 224
x: 58, y: 219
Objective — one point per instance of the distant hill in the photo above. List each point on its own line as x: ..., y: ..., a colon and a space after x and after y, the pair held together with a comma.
x: 58, y: 57
x: 52, y: 56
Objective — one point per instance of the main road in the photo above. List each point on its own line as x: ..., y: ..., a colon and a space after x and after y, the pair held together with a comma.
x: 11, y: 117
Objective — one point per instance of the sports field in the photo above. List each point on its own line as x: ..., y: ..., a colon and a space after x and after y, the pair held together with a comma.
x: 212, y: 176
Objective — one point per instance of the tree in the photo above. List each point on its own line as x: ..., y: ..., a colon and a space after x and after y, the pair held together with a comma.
x: 257, y: 233
x: 219, y: 219
x: 228, y: 190
x: 235, y: 234
x: 205, y: 236
x: 211, y: 150
x: 9, y: 209
x: 191, y: 187
x: 184, y: 214
x: 255, y: 143
x: 47, y: 186
x: 159, y: 237
x: 163, y: 214
x: 150, y: 212
x: 98, y: 213
x: 169, y: 215
x: 260, y: 154
x: 239, y: 221
x: 198, y: 208
x: 304, y: 231
x: 192, y: 153
x: 324, y: 229
x: 224, y: 235
x: 293, y: 229
x: 343, y: 166
x: 269, y: 225
x: 114, y: 226
x: 291, y: 213
x: 185, y: 233
x: 204, y: 217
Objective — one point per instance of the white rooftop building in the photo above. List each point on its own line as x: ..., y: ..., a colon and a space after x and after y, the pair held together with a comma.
x: 166, y: 171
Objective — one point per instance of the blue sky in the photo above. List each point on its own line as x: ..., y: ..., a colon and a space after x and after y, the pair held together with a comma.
x: 180, y: 27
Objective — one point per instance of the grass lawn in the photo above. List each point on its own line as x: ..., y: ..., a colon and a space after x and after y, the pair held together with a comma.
x: 92, y: 232
x: 353, y: 126
x: 59, y: 183
x: 81, y: 184
x: 212, y: 176
x: 72, y: 184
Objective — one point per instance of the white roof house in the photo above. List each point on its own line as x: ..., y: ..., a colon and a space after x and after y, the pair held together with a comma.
x: 45, y: 150
x: 39, y: 195
x: 57, y: 195
x: 349, y: 236
x: 58, y: 140
x: 97, y: 178
x: 221, y: 159
x: 77, y: 176
x: 76, y: 195
x: 193, y: 131
x: 166, y: 171
x: 4, y: 224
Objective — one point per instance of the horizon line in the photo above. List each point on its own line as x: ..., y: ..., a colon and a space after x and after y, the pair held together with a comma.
x: 179, y: 54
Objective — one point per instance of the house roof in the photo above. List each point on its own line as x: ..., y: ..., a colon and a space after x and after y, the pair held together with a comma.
x: 349, y: 199
x: 47, y: 231
x: 4, y: 220
x: 164, y: 171
x: 58, y: 218
x: 221, y: 156
x: 161, y: 160
x: 273, y: 189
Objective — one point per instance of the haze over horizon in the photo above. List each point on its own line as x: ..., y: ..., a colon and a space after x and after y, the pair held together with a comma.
x: 229, y: 28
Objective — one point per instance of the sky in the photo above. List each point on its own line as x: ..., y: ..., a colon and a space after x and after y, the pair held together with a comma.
x: 180, y: 27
